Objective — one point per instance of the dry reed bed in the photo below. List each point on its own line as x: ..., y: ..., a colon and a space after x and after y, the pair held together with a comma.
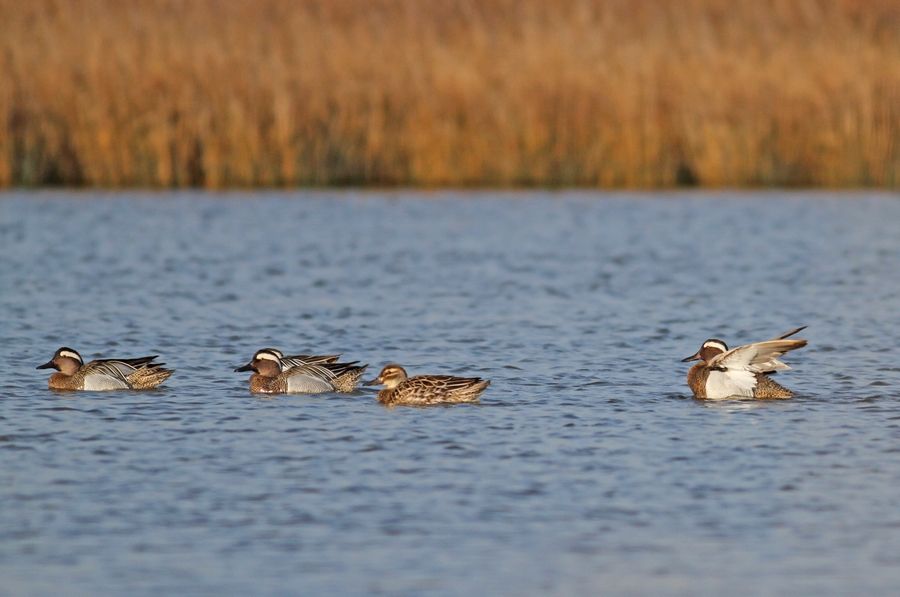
x: 624, y: 93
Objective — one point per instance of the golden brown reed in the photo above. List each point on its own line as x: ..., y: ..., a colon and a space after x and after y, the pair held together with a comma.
x: 622, y: 93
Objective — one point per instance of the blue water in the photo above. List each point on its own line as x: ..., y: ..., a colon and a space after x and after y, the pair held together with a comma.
x: 588, y: 469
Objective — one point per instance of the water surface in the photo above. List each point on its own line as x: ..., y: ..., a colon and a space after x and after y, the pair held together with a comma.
x: 587, y: 469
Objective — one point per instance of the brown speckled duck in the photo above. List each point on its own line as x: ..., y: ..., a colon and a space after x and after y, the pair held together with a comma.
x: 743, y: 371
x: 103, y: 374
x: 426, y: 389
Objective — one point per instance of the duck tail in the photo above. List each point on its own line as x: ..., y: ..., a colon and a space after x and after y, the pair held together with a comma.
x: 347, y: 381
x: 148, y: 377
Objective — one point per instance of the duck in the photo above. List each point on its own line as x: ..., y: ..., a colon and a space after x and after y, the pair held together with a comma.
x: 743, y: 371
x: 400, y: 389
x: 271, y: 376
x: 72, y: 373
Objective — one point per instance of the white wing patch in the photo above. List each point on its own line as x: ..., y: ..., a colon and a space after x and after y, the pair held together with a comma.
x: 733, y: 382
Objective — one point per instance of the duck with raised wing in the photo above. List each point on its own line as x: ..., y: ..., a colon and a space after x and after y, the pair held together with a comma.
x: 103, y: 374
x: 422, y: 390
x: 743, y: 371
x: 270, y: 376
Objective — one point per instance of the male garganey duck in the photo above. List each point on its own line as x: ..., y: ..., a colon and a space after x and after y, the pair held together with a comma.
x: 743, y: 371
x: 273, y: 374
x: 103, y: 374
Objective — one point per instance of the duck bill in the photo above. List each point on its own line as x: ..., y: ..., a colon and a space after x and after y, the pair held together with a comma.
x: 47, y: 365
x: 247, y: 367
x: 693, y: 357
x: 373, y: 382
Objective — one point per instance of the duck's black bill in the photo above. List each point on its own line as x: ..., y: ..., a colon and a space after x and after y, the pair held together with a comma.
x: 47, y: 365
x: 372, y: 382
x: 693, y: 357
x: 247, y: 367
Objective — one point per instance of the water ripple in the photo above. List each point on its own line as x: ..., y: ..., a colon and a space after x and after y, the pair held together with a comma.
x: 587, y: 465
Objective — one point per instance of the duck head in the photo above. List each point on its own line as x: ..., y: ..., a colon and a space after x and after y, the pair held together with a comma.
x: 265, y: 362
x: 390, y: 377
x: 65, y: 360
x: 708, y: 350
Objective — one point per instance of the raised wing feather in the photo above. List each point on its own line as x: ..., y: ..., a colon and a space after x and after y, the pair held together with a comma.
x: 790, y: 333
x: 775, y: 364
x: 759, y: 357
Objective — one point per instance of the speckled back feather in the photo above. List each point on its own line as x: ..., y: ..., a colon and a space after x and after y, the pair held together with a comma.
x: 148, y: 377
x: 435, y: 389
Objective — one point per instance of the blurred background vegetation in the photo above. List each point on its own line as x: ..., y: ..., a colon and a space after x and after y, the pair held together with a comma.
x: 608, y: 93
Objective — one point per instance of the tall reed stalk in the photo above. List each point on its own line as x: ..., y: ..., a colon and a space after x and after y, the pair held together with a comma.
x: 610, y: 93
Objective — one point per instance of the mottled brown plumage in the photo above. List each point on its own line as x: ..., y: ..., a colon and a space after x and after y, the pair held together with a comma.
x: 426, y: 389
x: 696, y: 379
x: 766, y: 387
x: 268, y: 384
x: 346, y: 375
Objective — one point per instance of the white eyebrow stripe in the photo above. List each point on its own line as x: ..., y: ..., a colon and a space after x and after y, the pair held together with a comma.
x: 267, y: 356
x: 715, y: 344
x: 70, y: 354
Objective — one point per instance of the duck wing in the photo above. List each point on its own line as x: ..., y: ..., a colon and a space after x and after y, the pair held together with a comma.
x: 759, y: 357
x: 106, y: 375
x: 442, y: 388
x: 309, y: 379
x: 333, y: 370
x: 734, y: 373
x: 790, y: 333
x: 777, y: 365
x: 133, y: 363
x: 299, y: 360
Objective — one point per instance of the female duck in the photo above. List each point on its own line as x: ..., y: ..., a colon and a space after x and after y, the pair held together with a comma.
x: 103, y: 374
x: 426, y: 389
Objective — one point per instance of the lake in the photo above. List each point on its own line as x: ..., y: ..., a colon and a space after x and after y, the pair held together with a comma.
x: 587, y: 468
